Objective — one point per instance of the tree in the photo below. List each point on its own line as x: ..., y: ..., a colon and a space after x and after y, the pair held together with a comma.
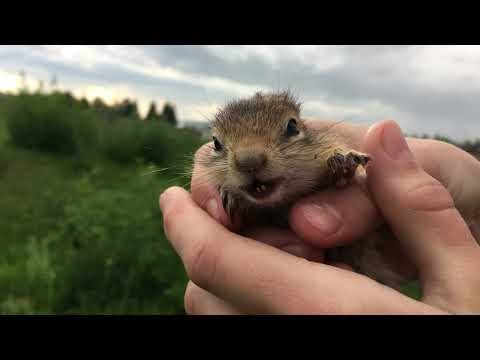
x: 69, y: 98
x: 127, y: 108
x: 99, y: 104
x: 169, y: 114
x: 84, y: 102
x: 152, y: 112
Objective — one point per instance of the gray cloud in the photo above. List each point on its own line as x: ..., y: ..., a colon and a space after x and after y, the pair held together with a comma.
x: 427, y: 89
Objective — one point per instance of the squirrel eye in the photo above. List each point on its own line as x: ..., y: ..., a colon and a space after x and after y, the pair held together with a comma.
x: 292, y: 129
x: 217, y: 144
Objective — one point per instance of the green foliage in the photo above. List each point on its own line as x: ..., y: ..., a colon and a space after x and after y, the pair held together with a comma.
x: 88, y: 244
x: 168, y: 114
x: 155, y: 142
x: 16, y: 306
x: 3, y: 164
x: 167, y: 146
x: 59, y: 123
x: 81, y: 233
x: 110, y: 250
x: 122, y: 140
x: 126, y: 108
x: 50, y: 123
x: 152, y: 114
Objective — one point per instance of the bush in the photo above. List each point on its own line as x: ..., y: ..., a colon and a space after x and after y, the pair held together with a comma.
x: 154, y: 142
x: 27, y: 287
x: 59, y: 123
x: 51, y: 123
x: 3, y: 164
x: 110, y: 255
x: 167, y: 146
x: 122, y: 140
x: 157, y: 143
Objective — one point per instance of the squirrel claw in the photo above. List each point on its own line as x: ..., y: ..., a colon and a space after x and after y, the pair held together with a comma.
x: 228, y: 203
x: 342, y: 167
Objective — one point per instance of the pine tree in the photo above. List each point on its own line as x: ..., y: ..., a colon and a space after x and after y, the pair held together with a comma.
x: 152, y: 112
x: 127, y: 108
x: 169, y: 114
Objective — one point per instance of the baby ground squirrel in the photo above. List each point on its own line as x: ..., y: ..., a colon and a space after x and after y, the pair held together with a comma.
x: 264, y: 158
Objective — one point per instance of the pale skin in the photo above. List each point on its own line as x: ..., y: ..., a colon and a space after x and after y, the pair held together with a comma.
x: 414, y: 185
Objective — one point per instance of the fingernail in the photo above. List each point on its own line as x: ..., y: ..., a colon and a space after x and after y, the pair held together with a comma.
x: 212, y: 208
x: 323, y: 217
x: 394, y: 142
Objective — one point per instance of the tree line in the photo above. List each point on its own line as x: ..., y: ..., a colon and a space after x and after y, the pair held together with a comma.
x: 125, y: 108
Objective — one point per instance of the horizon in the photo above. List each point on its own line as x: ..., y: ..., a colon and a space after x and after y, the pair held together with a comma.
x: 429, y: 89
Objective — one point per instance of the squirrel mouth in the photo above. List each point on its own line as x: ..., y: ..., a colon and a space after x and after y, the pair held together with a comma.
x: 262, y: 189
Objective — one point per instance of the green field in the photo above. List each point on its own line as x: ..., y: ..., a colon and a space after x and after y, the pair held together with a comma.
x: 84, y: 235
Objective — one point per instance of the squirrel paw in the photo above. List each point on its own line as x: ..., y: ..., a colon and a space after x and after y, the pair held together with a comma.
x: 342, y: 167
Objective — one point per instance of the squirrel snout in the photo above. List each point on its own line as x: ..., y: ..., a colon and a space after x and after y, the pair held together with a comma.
x: 250, y: 161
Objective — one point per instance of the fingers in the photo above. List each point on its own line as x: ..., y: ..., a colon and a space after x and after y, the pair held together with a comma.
x: 206, y: 195
x: 203, y: 191
x: 422, y: 214
x: 201, y: 302
x: 341, y: 216
x: 334, y: 218
x: 260, y: 279
x: 338, y: 217
x: 287, y: 241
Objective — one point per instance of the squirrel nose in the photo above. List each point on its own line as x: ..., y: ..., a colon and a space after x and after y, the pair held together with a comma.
x: 250, y: 162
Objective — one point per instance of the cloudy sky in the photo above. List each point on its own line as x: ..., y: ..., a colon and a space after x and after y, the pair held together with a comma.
x: 427, y: 89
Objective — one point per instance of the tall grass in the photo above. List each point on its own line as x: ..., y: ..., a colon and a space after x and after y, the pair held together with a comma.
x: 81, y: 228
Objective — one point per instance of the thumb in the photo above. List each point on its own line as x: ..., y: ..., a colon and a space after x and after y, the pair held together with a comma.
x: 421, y: 213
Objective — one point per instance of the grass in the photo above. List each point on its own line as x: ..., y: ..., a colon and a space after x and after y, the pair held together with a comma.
x: 3, y: 127
x: 84, y: 234
x: 47, y: 204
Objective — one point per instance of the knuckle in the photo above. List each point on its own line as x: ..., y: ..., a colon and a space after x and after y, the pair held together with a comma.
x: 202, y: 264
x: 429, y: 195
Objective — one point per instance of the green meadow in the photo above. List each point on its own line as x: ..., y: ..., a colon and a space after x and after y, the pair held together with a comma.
x: 81, y: 231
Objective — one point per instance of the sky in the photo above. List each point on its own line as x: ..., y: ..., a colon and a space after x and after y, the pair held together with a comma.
x: 429, y: 89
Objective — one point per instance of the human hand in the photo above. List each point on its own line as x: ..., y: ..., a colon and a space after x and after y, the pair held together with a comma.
x: 338, y: 217
x: 241, y: 275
